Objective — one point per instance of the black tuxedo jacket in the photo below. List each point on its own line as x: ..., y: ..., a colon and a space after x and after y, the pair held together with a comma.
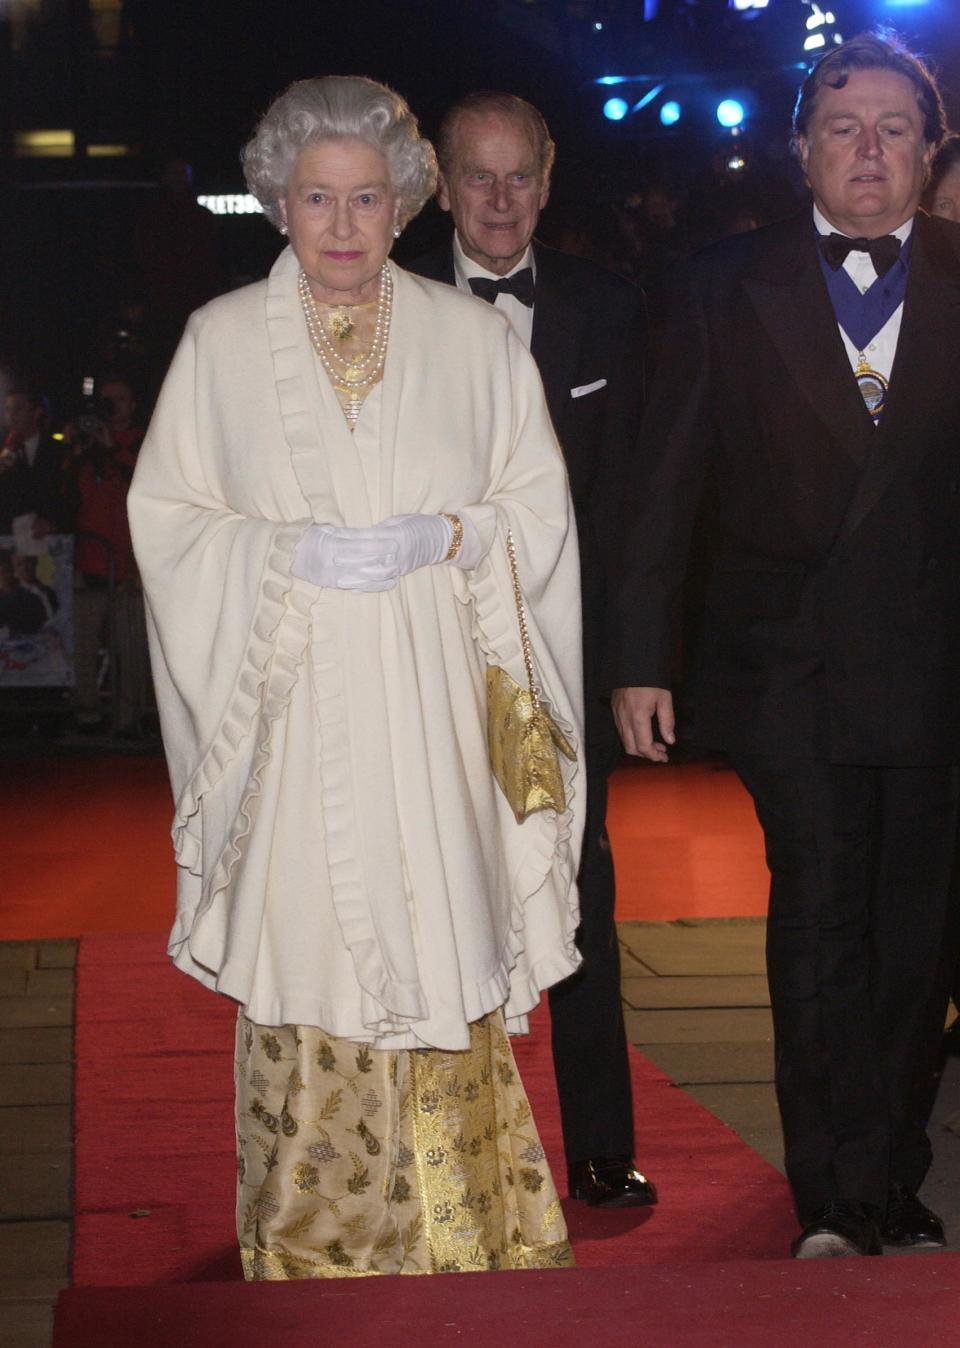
x: 589, y: 344
x: 832, y: 622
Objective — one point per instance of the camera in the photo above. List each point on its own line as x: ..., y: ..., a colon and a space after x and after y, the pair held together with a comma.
x: 91, y: 425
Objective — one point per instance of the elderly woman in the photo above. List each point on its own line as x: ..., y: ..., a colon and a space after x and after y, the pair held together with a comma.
x: 321, y: 515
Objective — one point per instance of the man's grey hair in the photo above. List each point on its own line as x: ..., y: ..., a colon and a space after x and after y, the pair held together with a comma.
x: 339, y: 107
x: 485, y: 103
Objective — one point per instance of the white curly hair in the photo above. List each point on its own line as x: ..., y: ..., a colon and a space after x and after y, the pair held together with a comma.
x: 339, y: 107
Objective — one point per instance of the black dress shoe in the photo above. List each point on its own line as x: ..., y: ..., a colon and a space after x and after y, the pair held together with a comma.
x: 607, y: 1182
x: 909, y: 1222
x: 836, y: 1230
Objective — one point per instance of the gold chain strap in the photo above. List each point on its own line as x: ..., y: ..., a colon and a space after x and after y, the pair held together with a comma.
x: 522, y: 620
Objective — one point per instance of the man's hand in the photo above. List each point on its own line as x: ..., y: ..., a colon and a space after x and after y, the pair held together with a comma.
x: 634, y: 710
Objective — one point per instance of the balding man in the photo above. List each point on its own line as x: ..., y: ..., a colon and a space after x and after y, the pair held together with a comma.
x: 585, y: 329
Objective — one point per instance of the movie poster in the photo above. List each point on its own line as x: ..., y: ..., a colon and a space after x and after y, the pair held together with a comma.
x: 36, y: 611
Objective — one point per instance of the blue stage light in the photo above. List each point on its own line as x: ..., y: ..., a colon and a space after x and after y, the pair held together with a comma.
x: 730, y: 112
x: 670, y: 112
x: 616, y: 109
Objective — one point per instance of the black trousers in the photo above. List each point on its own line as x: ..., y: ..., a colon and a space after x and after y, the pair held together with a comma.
x: 589, y: 1041
x: 860, y: 863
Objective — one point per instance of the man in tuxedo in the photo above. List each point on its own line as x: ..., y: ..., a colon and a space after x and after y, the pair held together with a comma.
x: 585, y: 329
x: 809, y: 401
x: 32, y: 478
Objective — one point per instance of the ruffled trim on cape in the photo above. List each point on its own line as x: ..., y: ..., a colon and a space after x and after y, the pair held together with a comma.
x: 278, y: 638
x: 547, y: 834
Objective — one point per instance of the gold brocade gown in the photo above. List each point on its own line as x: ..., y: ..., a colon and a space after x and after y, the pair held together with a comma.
x: 358, y: 1161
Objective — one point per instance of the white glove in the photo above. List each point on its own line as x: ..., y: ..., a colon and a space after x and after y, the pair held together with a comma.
x: 371, y: 560
x: 347, y: 559
x: 424, y: 540
x: 421, y: 540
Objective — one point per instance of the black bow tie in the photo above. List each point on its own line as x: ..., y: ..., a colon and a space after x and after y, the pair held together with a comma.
x: 883, y: 251
x: 520, y: 285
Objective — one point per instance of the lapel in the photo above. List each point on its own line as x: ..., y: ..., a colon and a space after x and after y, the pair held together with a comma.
x: 927, y: 353
x: 391, y: 388
x: 787, y: 291
x: 558, y: 323
x: 322, y: 453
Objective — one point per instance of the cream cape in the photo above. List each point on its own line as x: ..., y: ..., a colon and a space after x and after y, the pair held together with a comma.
x: 344, y: 857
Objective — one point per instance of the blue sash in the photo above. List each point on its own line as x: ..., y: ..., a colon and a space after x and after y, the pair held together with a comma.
x: 862, y: 316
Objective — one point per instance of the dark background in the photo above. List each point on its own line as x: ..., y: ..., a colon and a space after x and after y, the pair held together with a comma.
x: 188, y: 78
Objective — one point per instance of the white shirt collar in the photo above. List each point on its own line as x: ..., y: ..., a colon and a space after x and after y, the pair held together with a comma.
x: 824, y: 226
x: 465, y: 267
x: 30, y: 447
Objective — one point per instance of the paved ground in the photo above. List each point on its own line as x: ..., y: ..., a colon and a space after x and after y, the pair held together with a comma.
x: 695, y: 999
x: 36, y: 1053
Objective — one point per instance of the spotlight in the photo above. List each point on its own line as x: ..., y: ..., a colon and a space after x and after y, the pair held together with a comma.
x: 730, y: 112
x: 822, y: 30
x: 670, y: 112
x: 615, y: 109
x: 648, y: 97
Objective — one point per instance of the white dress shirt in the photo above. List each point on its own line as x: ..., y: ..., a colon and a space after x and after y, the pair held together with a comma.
x: 859, y: 267
x: 519, y: 315
x: 30, y: 447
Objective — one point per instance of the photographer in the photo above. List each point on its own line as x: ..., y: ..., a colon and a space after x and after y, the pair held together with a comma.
x: 105, y: 439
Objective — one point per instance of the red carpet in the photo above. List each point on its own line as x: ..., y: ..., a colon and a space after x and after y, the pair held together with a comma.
x: 154, y: 1167
x: 686, y: 843
x: 890, y: 1303
x: 155, y: 1259
x: 87, y: 846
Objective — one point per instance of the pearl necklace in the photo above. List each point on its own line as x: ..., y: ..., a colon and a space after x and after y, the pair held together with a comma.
x: 353, y: 377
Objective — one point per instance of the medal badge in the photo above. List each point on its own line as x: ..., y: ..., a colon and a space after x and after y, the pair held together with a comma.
x: 872, y: 386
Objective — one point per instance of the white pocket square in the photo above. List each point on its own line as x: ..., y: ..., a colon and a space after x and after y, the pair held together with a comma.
x: 588, y: 388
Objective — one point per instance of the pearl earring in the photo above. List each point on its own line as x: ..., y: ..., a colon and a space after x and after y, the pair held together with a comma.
x: 397, y: 231
x: 283, y: 229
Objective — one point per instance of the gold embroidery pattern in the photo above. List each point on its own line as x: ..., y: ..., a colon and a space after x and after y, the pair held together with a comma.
x: 354, y: 1161
x: 487, y: 1194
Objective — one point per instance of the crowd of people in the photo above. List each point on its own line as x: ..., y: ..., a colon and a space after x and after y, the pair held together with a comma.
x: 70, y: 480
x: 390, y: 694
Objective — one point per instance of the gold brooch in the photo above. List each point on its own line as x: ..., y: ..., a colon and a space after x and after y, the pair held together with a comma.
x: 339, y: 323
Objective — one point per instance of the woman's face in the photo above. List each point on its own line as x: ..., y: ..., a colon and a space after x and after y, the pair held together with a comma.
x: 946, y: 199
x: 340, y: 210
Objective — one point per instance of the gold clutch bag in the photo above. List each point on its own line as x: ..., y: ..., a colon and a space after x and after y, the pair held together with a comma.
x: 524, y: 740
